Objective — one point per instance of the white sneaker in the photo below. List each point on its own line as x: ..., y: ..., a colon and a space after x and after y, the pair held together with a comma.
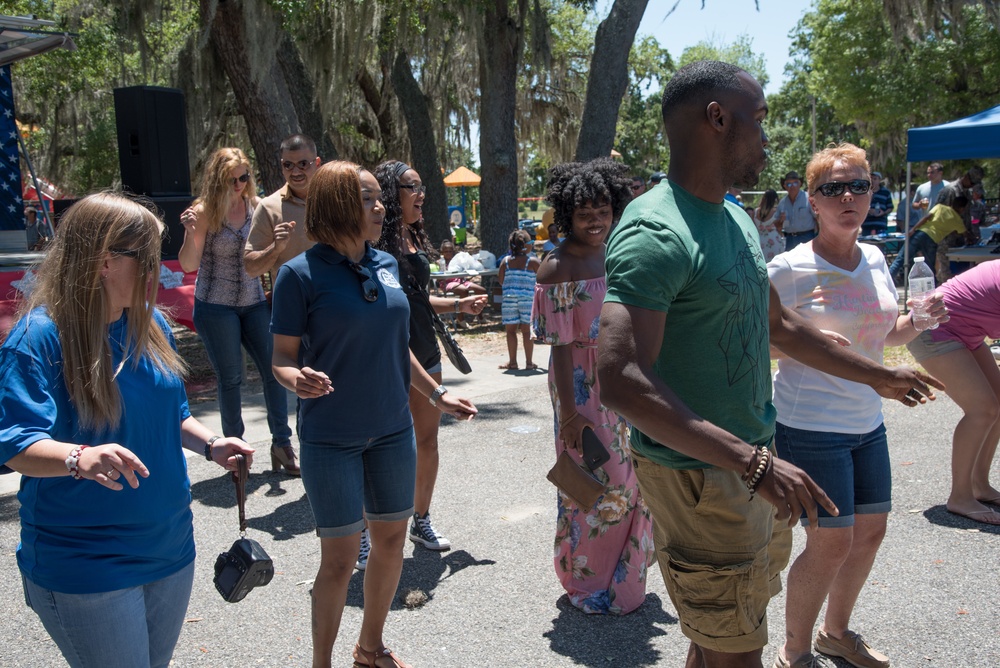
x: 422, y: 531
x: 366, y: 547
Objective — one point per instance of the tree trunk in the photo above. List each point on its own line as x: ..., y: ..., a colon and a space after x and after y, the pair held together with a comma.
x: 499, y: 55
x: 423, y: 147
x: 608, y: 79
x: 263, y: 100
x: 304, y: 97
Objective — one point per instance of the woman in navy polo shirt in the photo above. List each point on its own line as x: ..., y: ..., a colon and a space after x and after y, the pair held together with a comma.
x: 341, y: 342
x: 91, y: 396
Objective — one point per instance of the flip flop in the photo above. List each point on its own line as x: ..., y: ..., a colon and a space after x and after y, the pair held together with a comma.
x: 981, y: 516
x: 508, y: 366
x: 531, y: 367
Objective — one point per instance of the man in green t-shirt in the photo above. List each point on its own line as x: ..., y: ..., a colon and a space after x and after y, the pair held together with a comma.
x: 683, y: 355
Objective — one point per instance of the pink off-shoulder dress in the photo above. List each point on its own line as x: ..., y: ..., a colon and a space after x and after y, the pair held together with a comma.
x: 602, y: 553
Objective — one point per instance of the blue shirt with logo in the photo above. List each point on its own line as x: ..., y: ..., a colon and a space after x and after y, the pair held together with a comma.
x: 362, y: 346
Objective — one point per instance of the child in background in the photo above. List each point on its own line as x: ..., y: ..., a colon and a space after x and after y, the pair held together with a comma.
x: 517, y: 276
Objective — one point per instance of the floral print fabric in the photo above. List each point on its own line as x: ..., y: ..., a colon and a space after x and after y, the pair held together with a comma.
x: 602, y: 554
x: 771, y: 241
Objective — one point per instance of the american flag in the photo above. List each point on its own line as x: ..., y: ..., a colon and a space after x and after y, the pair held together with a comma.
x: 11, y: 206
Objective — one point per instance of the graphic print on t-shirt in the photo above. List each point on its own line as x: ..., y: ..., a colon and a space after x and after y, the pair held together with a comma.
x: 745, y: 331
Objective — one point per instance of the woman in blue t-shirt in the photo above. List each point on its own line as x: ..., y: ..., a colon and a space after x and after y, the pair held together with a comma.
x: 340, y: 321
x: 91, y: 396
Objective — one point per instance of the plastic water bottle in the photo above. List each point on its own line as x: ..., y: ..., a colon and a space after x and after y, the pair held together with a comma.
x: 921, y: 287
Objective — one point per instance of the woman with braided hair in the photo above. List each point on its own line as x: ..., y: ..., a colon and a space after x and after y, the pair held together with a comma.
x: 601, y: 553
x: 404, y: 237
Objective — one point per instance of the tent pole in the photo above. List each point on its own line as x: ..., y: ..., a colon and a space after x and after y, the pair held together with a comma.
x: 38, y: 189
x: 906, y: 237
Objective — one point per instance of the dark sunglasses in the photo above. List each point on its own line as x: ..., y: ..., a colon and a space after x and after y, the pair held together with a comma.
x: 836, y: 188
x: 242, y: 179
x: 133, y: 253
x: 303, y: 165
x: 369, y: 288
x: 417, y: 189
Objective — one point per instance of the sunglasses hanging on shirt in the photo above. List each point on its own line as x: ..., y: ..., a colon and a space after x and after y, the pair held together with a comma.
x: 369, y: 288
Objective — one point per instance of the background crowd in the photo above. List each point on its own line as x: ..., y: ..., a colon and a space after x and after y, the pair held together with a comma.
x: 344, y: 318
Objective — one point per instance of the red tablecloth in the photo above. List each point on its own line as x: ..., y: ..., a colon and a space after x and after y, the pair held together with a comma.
x: 176, y: 294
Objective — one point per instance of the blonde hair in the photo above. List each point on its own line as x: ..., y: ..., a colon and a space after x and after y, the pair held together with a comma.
x: 70, y: 287
x: 335, y: 213
x: 823, y: 161
x: 216, y: 194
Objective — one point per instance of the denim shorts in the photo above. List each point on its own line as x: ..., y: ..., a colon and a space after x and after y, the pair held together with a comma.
x: 924, y: 347
x: 371, y: 478
x: 853, y: 469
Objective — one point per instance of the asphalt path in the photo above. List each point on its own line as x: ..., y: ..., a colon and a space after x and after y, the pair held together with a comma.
x: 933, y: 597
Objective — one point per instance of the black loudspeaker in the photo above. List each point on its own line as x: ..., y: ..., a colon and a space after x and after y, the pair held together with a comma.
x: 170, y: 209
x: 152, y: 141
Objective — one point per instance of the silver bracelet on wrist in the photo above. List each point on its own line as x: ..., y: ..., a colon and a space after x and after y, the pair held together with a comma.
x: 438, y: 392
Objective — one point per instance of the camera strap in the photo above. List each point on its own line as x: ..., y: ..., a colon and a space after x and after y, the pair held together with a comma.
x: 240, y: 476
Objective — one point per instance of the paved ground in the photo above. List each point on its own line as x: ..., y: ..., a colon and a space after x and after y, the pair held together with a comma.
x: 932, y: 598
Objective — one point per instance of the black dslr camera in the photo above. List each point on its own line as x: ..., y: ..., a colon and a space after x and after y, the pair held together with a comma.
x: 245, y: 566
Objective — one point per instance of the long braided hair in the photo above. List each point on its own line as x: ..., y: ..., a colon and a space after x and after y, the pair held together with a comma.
x: 391, y: 240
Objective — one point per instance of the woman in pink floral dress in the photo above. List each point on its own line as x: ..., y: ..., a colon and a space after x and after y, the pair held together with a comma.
x: 601, y: 553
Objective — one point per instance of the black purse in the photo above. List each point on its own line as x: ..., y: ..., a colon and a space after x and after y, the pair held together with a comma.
x: 245, y: 565
x: 450, y: 346
x: 448, y: 342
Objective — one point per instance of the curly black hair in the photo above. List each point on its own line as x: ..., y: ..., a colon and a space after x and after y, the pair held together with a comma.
x: 391, y: 240
x: 573, y: 184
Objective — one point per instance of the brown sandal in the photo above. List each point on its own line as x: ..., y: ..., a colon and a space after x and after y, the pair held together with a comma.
x: 365, y: 659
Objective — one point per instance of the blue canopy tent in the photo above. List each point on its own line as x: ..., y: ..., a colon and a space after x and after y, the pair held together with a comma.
x: 976, y: 136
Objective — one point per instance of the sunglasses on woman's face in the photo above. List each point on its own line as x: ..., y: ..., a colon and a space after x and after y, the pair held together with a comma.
x: 241, y: 179
x: 369, y: 288
x: 836, y: 188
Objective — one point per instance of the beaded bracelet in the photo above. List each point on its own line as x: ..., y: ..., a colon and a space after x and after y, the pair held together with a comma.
x: 73, y: 462
x: 758, y: 476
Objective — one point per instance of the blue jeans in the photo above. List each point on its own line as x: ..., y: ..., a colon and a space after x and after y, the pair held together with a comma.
x: 919, y: 244
x: 223, y: 329
x: 853, y: 469
x: 793, y: 239
x: 127, y: 628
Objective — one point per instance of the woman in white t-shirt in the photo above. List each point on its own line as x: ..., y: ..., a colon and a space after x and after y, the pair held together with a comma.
x: 830, y: 427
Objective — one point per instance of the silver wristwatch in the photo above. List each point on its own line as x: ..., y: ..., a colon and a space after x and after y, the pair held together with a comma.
x: 436, y: 394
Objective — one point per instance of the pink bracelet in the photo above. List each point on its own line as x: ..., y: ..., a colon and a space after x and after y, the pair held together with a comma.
x: 73, y: 462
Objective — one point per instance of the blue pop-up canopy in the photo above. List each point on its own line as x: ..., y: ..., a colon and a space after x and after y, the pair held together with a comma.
x: 976, y: 136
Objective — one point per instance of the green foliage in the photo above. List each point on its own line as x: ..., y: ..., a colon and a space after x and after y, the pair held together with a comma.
x: 739, y: 53
x: 883, y: 86
x: 640, y: 137
x: 67, y: 95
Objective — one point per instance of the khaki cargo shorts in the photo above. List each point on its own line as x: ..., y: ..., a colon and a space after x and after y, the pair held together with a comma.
x: 721, y: 556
